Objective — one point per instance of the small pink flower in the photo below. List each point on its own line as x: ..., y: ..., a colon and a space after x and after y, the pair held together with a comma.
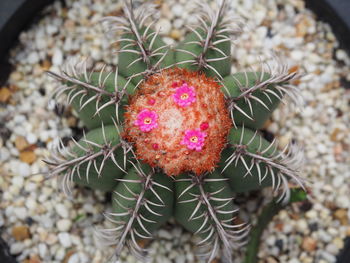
x: 184, y: 95
x: 194, y: 139
x: 147, y: 120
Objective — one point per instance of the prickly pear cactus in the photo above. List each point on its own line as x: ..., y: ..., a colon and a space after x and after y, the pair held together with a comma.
x: 172, y: 132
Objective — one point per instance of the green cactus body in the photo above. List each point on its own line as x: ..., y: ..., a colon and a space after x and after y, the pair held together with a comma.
x: 161, y: 136
x: 153, y: 43
x: 241, y: 181
x: 190, y: 47
x: 106, y: 180
x: 153, y: 211
x: 238, y: 83
x: 192, y: 213
x: 88, y: 114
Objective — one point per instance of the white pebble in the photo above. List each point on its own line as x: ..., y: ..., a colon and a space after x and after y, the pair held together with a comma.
x: 18, y: 181
x: 271, y: 240
x: 65, y: 239
x: 328, y: 257
x: 178, y: 23
x: 341, y: 55
x: 180, y: 259
x: 51, y: 29
x: 59, y: 255
x: 338, y: 181
x: 22, y: 169
x: 324, y: 236
x: 33, y: 58
x: 164, y: 234
x: 287, y: 228
x: 177, y: 10
x: 42, y: 250
x: 62, y: 210
x: 57, y: 58
x: 31, y: 138
x: 332, y: 248
x: 64, y: 225
x: 4, y: 154
x: 16, y: 248
x: 322, y: 148
x: 31, y: 204
x: 74, y: 258
x: 164, y: 25
x: 20, y: 212
x: 343, y: 201
x: 297, y: 55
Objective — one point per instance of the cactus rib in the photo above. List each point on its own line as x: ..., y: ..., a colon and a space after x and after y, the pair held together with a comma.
x: 205, y: 207
x: 142, y: 51
x: 90, y: 157
x: 252, y: 96
x: 254, y: 153
x: 140, y: 206
x: 107, y: 90
x: 208, y: 47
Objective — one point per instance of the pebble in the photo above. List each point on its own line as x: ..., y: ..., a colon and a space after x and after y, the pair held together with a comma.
x: 20, y: 232
x: 18, y: 181
x: 31, y: 138
x: 4, y: 154
x: 22, y: 169
x: 74, y: 259
x: 177, y: 10
x: 328, y: 257
x: 62, y: 211
x: 324, y: 236
x: 20, y: 212
x: 42, y: 250
x: 16, y: 248
x: 33, y: 58
x: 178, y: 23
x: 164, y: 234
x: 343, y: 201
x: 5, y: 95
x: 338, y: 242
x: 27, y: 157
x: 64, y: 225
x: 342, y: 216
x: 180, y: 259
x: 164, y: 25
x: 21, y: 143
x: 65, y: 239
x: 175, y: 34
x: 309, y: 244
x: 57, y: 58
x: 297, y: 55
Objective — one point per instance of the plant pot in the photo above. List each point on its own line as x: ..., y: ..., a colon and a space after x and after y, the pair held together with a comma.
x: 336, y: 13
x: 5, y: 256
x: 16, y: 15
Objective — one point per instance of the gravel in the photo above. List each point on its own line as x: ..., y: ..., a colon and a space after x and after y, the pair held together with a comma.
x: 61, y: 229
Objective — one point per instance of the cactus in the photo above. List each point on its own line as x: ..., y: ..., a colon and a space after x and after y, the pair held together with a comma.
x: 171, y: 132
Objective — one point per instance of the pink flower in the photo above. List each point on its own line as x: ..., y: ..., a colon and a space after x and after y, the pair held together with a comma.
x: 147, y: 120
x: 184, y: 95
x: 194, y: 139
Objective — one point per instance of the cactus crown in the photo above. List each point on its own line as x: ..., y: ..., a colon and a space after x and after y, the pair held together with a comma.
x: 173, y: 133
